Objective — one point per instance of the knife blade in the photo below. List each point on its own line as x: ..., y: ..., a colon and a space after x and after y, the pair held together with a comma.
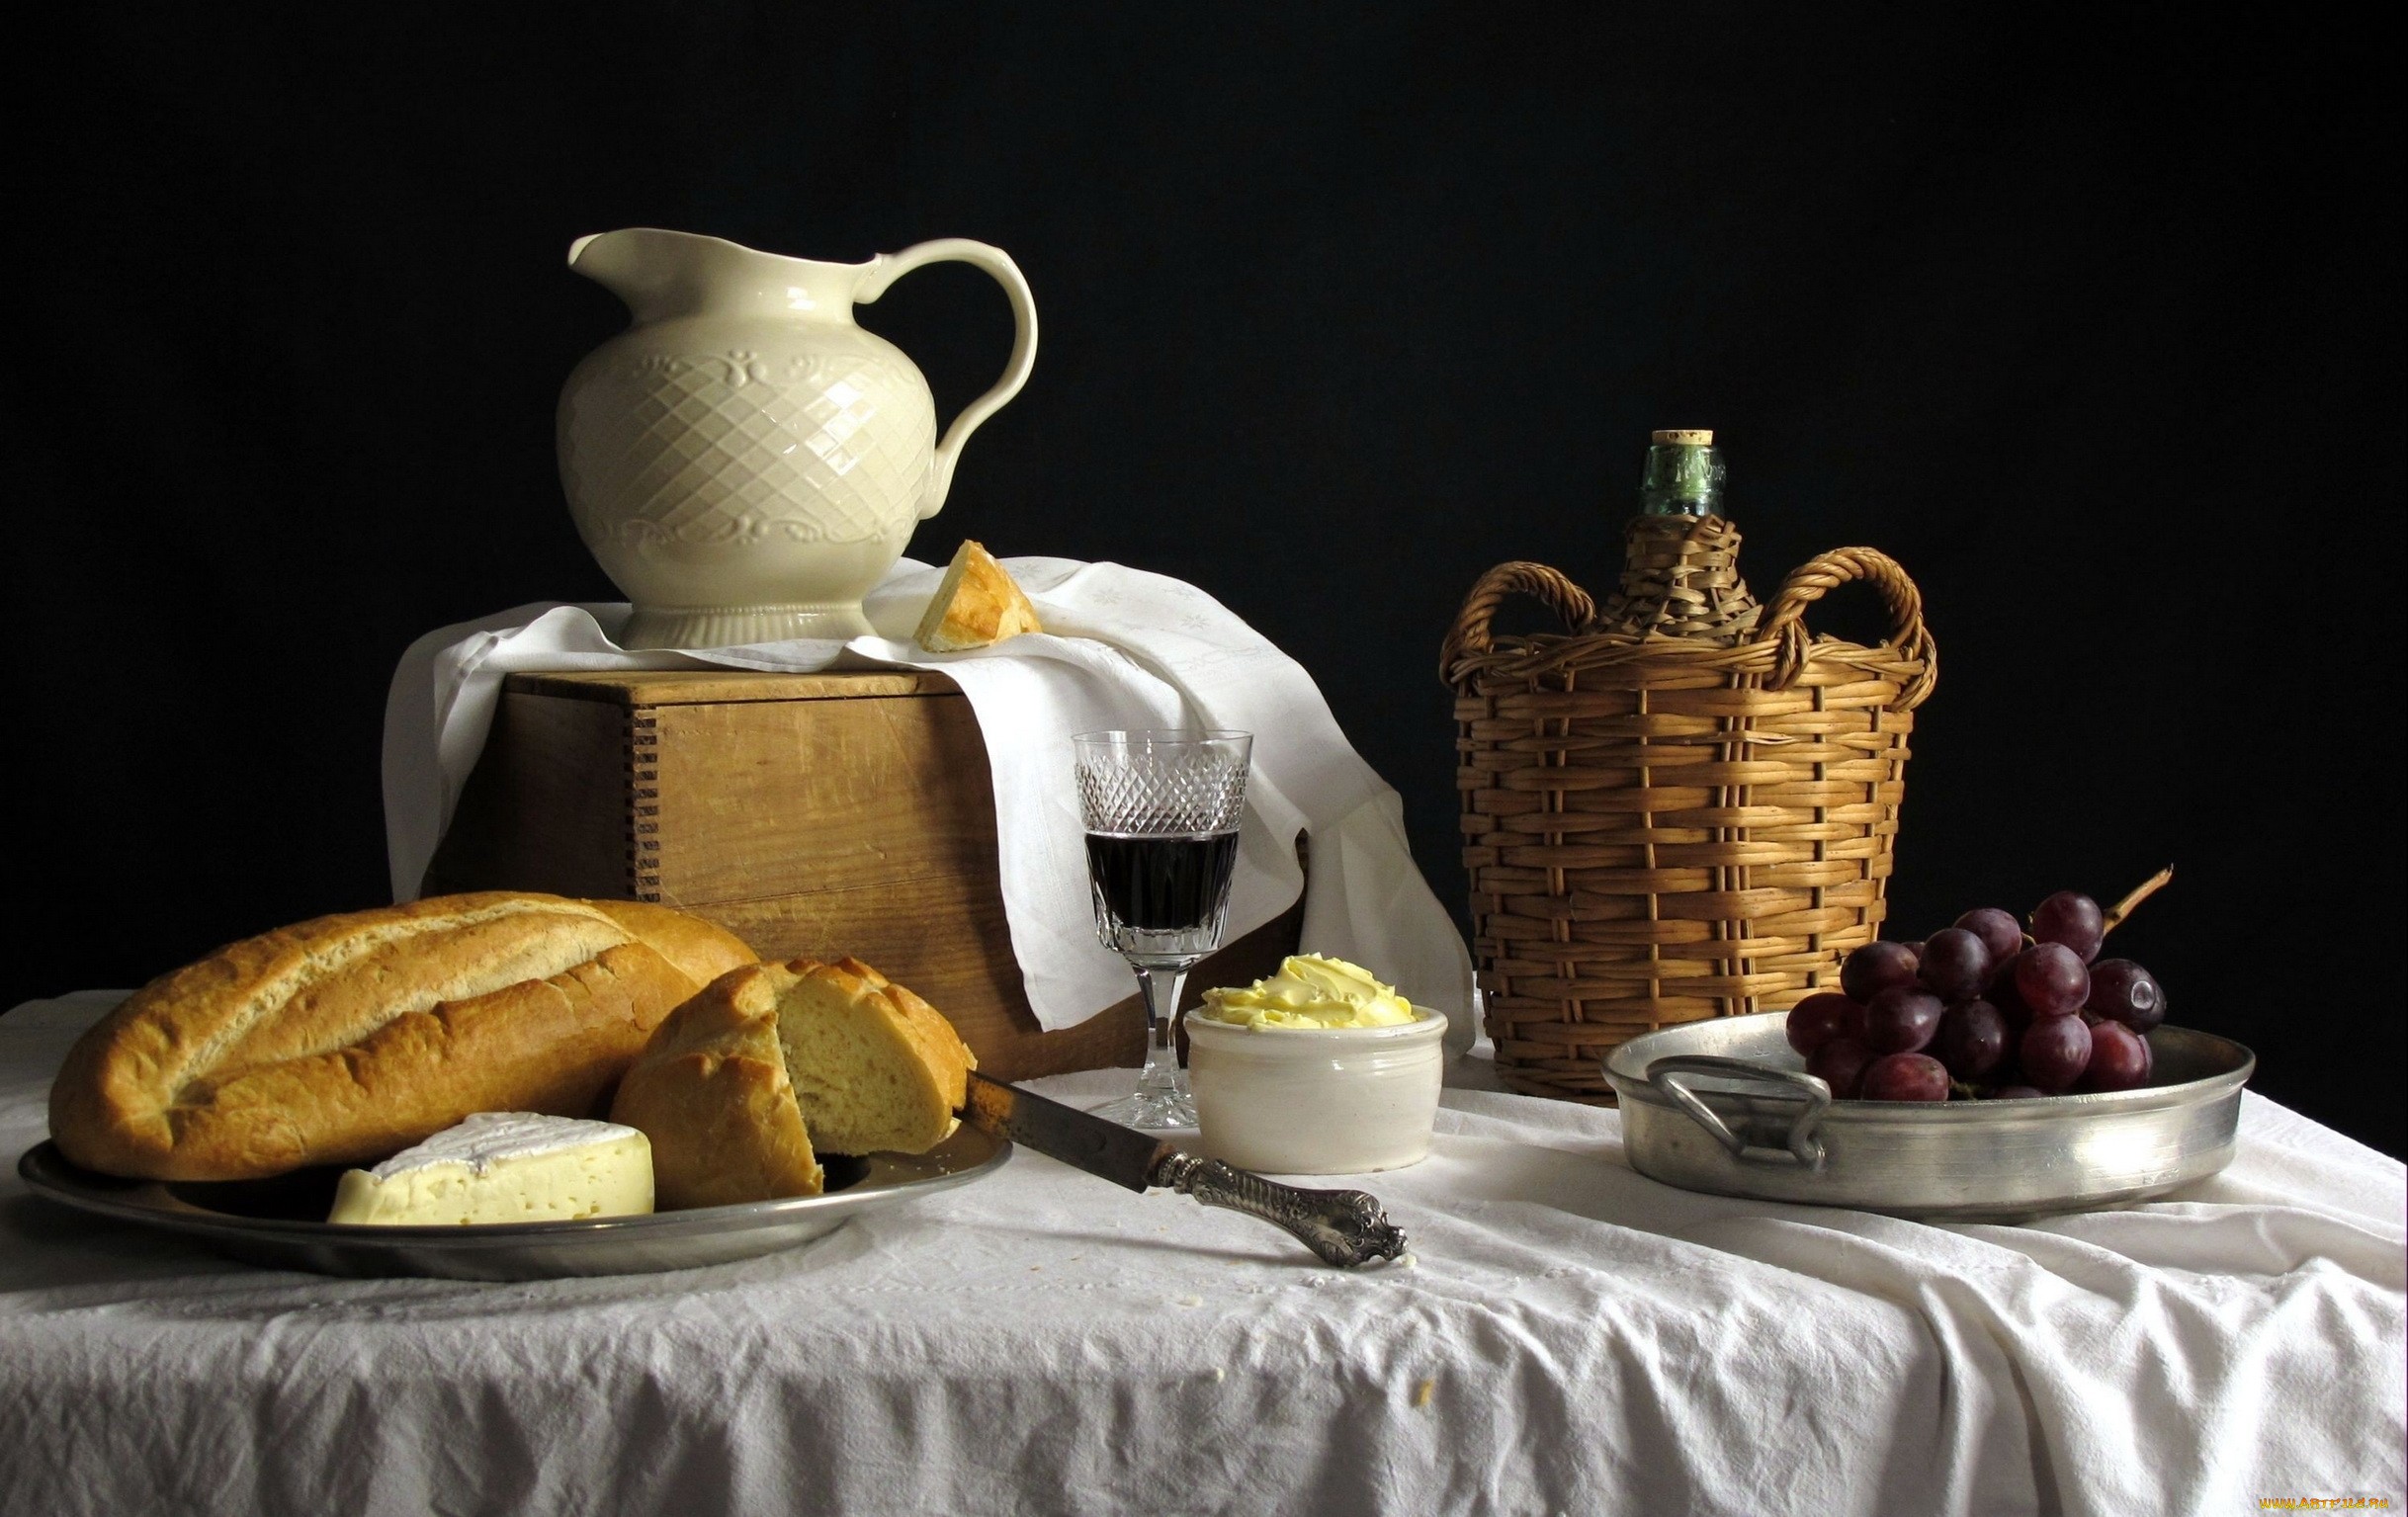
x: 1345, y: 1228
x: 1106, y: 1150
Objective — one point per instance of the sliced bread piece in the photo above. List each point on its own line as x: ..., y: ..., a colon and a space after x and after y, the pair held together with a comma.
x: 874, y: 1068
x: 978, y: 605
x: 711, y: 1093
x: 770, y: 1062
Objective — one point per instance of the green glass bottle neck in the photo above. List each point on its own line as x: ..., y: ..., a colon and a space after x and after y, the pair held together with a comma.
x: 1681, y: 479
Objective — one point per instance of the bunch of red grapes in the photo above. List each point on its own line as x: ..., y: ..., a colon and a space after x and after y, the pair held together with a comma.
x: 1980, y: 1011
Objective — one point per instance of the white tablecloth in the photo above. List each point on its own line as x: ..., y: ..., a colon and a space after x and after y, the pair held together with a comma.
x: 1569, y: 1338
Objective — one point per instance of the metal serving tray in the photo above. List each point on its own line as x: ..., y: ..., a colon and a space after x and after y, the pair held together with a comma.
x: 1726, y: 1107
x: 276, y: 1223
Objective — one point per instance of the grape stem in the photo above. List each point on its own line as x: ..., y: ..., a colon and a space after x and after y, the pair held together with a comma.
x: 2140, y: 892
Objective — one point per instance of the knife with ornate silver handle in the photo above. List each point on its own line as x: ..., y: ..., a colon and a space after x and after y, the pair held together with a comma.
x: 1345, y: 1228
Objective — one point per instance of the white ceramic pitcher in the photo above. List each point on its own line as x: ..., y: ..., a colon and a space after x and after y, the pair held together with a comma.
x: 745, y: 461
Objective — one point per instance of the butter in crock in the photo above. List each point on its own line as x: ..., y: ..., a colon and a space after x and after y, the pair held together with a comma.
x: 1311, y: 991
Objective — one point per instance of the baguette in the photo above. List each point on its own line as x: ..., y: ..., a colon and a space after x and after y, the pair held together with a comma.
x: 744, y: 1084
x: 343, y: 1039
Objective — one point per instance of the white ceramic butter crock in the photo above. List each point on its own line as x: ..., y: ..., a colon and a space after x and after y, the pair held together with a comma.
x: 1315, y: 1101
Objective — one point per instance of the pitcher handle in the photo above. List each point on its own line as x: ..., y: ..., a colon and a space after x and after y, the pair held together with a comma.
x: 886, y: 268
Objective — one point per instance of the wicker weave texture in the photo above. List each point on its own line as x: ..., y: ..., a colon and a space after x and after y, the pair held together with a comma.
x: 1662, y: 828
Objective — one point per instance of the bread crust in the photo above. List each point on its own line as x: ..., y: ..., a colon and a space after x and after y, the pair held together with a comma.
x: 710, y: 1092
x: 733, y: 1119
x: 977, y: 604
x: 344, y: 1039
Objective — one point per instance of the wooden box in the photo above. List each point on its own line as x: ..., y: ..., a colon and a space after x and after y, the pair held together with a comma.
x: 814, y: 814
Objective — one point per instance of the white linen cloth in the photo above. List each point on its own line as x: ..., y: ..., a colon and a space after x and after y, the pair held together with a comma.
x: 1570, y: 1338
x: 1123, y: 648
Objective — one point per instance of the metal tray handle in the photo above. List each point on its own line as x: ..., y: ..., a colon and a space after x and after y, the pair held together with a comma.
x: 1803, y: 1145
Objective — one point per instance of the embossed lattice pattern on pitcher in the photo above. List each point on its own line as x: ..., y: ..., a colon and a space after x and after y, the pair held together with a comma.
x: 1683, y: 808
x: 733, y: 447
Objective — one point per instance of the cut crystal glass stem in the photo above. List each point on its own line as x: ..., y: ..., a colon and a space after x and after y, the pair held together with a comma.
x: 1160, y: 1099
x: 1161, y: 985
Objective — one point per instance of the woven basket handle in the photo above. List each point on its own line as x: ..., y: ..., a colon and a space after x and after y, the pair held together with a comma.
x: 1786, y: 618
x: 1470, y: 635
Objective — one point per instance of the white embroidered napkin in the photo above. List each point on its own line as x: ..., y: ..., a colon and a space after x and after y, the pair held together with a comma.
x: 1122, y: 648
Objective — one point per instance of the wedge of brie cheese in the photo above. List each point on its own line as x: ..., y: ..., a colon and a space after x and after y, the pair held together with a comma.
x: 504, y: 1167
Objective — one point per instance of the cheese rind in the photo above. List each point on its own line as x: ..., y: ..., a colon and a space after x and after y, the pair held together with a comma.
x: 504, y: 1167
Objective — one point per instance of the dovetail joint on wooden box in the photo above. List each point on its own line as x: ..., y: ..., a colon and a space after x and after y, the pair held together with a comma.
x: 643, y: 803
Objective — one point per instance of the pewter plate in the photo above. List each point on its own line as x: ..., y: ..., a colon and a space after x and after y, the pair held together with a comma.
x: 276, y: 1222
x: 1725, y: 1107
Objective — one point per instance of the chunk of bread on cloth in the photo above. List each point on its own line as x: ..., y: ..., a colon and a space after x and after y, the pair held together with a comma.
x: 347, y: 1039
x: 771, y: 1061
x: 977, y: 604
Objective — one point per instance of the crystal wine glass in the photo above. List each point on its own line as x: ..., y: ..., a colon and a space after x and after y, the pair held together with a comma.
x: 1162, y: 813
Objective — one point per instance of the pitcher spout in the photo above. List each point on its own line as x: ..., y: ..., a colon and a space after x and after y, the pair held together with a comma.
x: 664, y: 274
x: 616, y: 262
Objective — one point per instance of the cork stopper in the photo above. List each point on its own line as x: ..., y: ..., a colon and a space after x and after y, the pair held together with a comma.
x: 1683, y: 474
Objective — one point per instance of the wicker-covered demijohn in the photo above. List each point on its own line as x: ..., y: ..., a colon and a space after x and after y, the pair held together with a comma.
x: 1684, y: 806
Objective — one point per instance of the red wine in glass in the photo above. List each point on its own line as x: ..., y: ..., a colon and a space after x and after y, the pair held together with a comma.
x: 1149, y: 887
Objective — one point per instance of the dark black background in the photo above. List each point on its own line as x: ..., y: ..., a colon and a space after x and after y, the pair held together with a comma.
x: 2090, y: 317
